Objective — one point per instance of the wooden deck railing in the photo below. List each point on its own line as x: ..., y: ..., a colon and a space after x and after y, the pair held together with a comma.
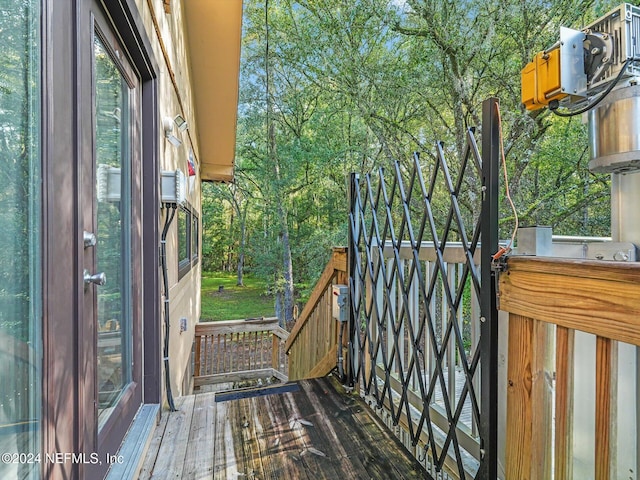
x: 239, y: 350
x: 549, y: 300
x: 313, y: 342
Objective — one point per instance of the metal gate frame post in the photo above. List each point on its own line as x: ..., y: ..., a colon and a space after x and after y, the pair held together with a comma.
x: 351, y: 258
x: 488, y: 304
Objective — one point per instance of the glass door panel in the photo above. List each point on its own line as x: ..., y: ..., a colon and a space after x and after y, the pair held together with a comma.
x: 113, y: 232
x: 20, y: 234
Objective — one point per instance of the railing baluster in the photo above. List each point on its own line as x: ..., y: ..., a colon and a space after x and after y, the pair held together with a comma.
x: 605, y: 443
x: 255, y: 349
x: 219, y: 354
x: 414, y: 318
x: 372, y: 331
x: 541, y: 397
x: 431, y: 352
x: 208, y: 359
x: 225, y: 356
x: 203, y: 361
x: 563, y: 457
x: 401, y: 318
x: 245, y: 352
x: 391, y: 311
x: 519, y: 421
x: 275, y: 358
x: 475, y: 342
x: 240, y: 349
x: 198, y: 357
x: 451, y: 349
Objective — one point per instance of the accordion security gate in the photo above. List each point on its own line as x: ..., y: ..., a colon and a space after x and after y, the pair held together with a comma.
x: 423, y: 317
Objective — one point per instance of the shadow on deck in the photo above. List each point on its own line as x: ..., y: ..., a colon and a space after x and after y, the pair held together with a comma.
x: 314, y: 430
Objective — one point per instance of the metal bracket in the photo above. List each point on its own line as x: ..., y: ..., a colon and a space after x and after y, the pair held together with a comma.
x: 498, y: 266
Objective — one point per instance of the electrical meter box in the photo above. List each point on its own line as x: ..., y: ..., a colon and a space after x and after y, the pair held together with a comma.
x: 340, y: 293
x: 108, y: 184
x: 173, y: 188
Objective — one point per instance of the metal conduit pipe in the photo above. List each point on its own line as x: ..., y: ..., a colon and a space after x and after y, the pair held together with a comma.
x: 339, y: 352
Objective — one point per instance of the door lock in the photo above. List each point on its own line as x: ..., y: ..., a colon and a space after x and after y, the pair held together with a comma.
x: 89, y: 239
x: 97, y: 278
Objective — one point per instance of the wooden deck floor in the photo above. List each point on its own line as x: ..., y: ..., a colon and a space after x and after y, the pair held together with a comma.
x: 312, y: 433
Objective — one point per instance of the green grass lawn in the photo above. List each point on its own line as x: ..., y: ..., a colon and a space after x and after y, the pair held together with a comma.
x: 233, y: 302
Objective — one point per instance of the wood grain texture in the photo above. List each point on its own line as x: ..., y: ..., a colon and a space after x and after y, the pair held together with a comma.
x: 542, y: 402
x: 596, y: 297
x: 564, y: 404
x: 605, y: 441
x: 519, y: 390
x: 198, y: 353
x: 236, y: 326
x: 238, y: 348
x: 198, y: 462
x: 318, y: 432
x: 154, y: 448
x: 324, y: 366
x: 171, y: 455
x: 338, y: 263
x: 234, y: 376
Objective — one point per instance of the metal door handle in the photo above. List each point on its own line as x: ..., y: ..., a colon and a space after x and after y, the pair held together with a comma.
x: 89, y: 239
x: 96, y: 278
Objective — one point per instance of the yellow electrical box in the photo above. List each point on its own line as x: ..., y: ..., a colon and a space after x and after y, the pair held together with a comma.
x: 528, y: 80
x: 541, y: 80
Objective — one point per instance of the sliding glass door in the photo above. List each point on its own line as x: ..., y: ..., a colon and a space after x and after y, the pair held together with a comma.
x: 20, y: 239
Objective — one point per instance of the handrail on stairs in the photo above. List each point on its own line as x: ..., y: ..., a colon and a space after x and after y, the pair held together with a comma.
x: 312, y: 344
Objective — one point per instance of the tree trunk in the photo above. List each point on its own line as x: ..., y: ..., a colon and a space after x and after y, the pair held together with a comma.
x: 279, y: 308
x: 287, y: 274
x: 284, y: 299
x: 243, y: 240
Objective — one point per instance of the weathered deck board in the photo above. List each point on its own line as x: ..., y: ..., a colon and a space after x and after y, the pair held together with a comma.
x: 171, y: 456
x: 312, y: 433
x: 198, y: 462
x: 154, y: 447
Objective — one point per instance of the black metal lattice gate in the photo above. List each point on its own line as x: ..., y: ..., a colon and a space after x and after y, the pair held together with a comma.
x: 423, y: 317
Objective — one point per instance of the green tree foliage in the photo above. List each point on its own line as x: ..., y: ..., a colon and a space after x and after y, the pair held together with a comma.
x: 351, y: 85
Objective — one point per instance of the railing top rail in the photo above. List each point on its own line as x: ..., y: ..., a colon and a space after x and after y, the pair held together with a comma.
x: 280, y: 333
x: 338, y: 263
x: 424, y: 244
x: 453, y: 252
x: 594, y: 296
x: 578, y: 239
x: 580, y: 268
x: 237, y: 326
